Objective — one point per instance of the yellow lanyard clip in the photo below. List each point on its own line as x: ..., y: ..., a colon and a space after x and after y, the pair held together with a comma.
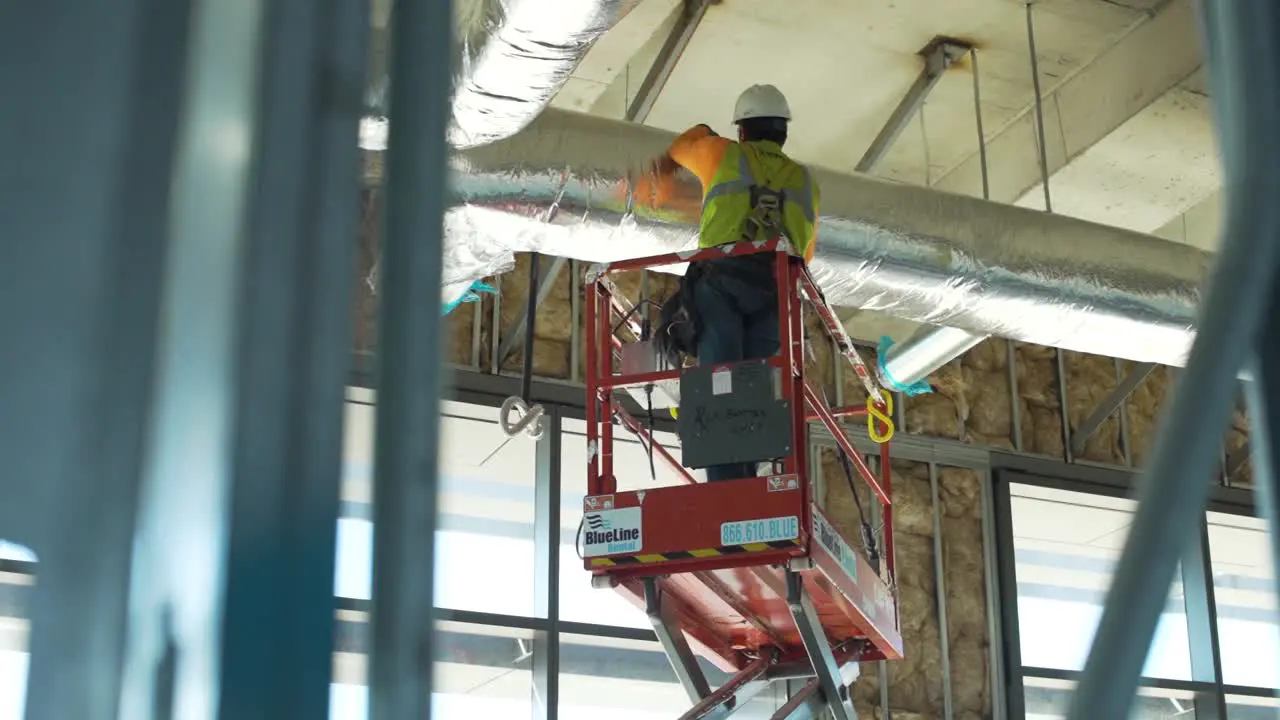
x: 881, y: 411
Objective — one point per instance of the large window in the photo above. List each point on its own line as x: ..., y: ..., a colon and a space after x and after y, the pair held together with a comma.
x: 484, y: 555
x: 13, y: 668
x: 1244, y: 707
x: 1216, y: 649
x: 488, y: 493
x: 483, y: 672
x: 1065, y: 545
x: 1244, y: 587
x: 16, y: 583
x: 478, y: 672
x: 1048, y: 699
x: 632, y: 680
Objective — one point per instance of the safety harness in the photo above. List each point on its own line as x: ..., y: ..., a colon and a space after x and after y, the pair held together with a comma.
x: 765, y: 220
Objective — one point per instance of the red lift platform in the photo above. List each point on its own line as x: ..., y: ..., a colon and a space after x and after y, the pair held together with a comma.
x: 750, y: 573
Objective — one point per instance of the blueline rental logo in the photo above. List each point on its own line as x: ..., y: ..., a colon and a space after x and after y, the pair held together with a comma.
x: 600, y: 531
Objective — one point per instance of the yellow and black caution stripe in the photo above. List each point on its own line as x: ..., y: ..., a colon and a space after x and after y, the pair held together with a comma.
x: 688, y: 554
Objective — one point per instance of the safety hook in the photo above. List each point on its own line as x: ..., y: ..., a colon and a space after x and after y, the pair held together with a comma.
x: 882, y: 411
x: 529, y: 420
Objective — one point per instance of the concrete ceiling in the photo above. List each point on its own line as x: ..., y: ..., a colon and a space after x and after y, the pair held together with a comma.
x: 1128, y: 130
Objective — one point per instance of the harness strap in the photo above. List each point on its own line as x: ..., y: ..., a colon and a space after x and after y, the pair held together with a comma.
x: 766, y: 203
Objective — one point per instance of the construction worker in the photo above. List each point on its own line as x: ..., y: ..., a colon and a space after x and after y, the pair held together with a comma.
x: 750, y: 191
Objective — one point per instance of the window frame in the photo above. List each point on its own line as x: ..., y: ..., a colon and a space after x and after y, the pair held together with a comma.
x: 1209, y: 690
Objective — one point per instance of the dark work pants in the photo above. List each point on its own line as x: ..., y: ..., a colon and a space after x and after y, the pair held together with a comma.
x: 737, y: 308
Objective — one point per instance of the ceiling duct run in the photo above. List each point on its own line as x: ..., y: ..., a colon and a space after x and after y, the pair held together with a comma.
x: 515, y: 55
x: 559, y: 187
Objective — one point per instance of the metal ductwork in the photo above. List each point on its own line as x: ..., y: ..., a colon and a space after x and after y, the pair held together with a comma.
x: 560, y: 187
x: 904, y: 366
x: 515, y: 55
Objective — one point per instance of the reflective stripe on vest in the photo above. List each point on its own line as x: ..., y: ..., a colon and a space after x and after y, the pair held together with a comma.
x: 723, y: 218
x: 746, y: 178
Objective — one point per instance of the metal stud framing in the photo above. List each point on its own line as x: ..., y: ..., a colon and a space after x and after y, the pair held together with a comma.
x: 408, y: 357
x: 996, y: 670
x: 546, y: 534
x: 1060, y: 373
x: 1114, y: 401
x: 1015, y: 398
x: 940, y: 586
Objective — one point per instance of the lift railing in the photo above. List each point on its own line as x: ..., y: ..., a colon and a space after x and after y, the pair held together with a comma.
x: 609, y: 312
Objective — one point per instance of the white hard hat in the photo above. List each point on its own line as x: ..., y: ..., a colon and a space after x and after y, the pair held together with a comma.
x: 760, y: 101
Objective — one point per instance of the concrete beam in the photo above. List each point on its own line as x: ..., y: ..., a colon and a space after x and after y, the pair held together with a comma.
x: 1152, y: 168
x: 1150, y: 60
x: 1129, y: 143
x: 1199, y: 226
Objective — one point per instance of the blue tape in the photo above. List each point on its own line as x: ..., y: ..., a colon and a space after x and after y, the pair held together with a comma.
x: 472, y: 294
x: 919, y: 387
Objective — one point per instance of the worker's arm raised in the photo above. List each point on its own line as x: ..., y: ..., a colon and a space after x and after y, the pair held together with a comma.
x: 698, y: 149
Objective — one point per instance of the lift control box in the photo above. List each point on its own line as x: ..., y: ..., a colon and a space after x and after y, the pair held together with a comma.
x: 733, y: 413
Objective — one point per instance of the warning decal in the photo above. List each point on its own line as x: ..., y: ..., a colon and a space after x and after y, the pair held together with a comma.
x: 782, y: 483
x: 591, y: 503
x: 722, y: 382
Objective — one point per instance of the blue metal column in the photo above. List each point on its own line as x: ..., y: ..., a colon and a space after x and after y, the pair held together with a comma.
x: 179, y: 423
x: 231, y: 611
x: 1201, y: 607
x: 547, y: 492
x: 409, y: 366
x: 84, y: 190
x: 277, y: 643
x: 1244, y: 64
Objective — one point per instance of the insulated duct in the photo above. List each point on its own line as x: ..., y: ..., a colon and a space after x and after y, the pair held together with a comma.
x: 904, y: 366
x: 515, y: 56
x: 559, y: 187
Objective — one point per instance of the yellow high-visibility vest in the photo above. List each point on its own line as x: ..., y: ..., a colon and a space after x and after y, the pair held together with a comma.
x: 726, y: 204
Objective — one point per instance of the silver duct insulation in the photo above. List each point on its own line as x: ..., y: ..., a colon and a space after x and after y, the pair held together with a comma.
x: 516, y: 55
x: 904, y: 365
x: 560, y: 187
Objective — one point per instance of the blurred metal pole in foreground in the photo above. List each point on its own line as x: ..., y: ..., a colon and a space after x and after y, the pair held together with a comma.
x: 1238, y: 322
x: 409, y: 367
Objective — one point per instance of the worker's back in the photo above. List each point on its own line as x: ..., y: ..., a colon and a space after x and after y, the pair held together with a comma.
x: 745, y: 179
x: 758, y: 192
